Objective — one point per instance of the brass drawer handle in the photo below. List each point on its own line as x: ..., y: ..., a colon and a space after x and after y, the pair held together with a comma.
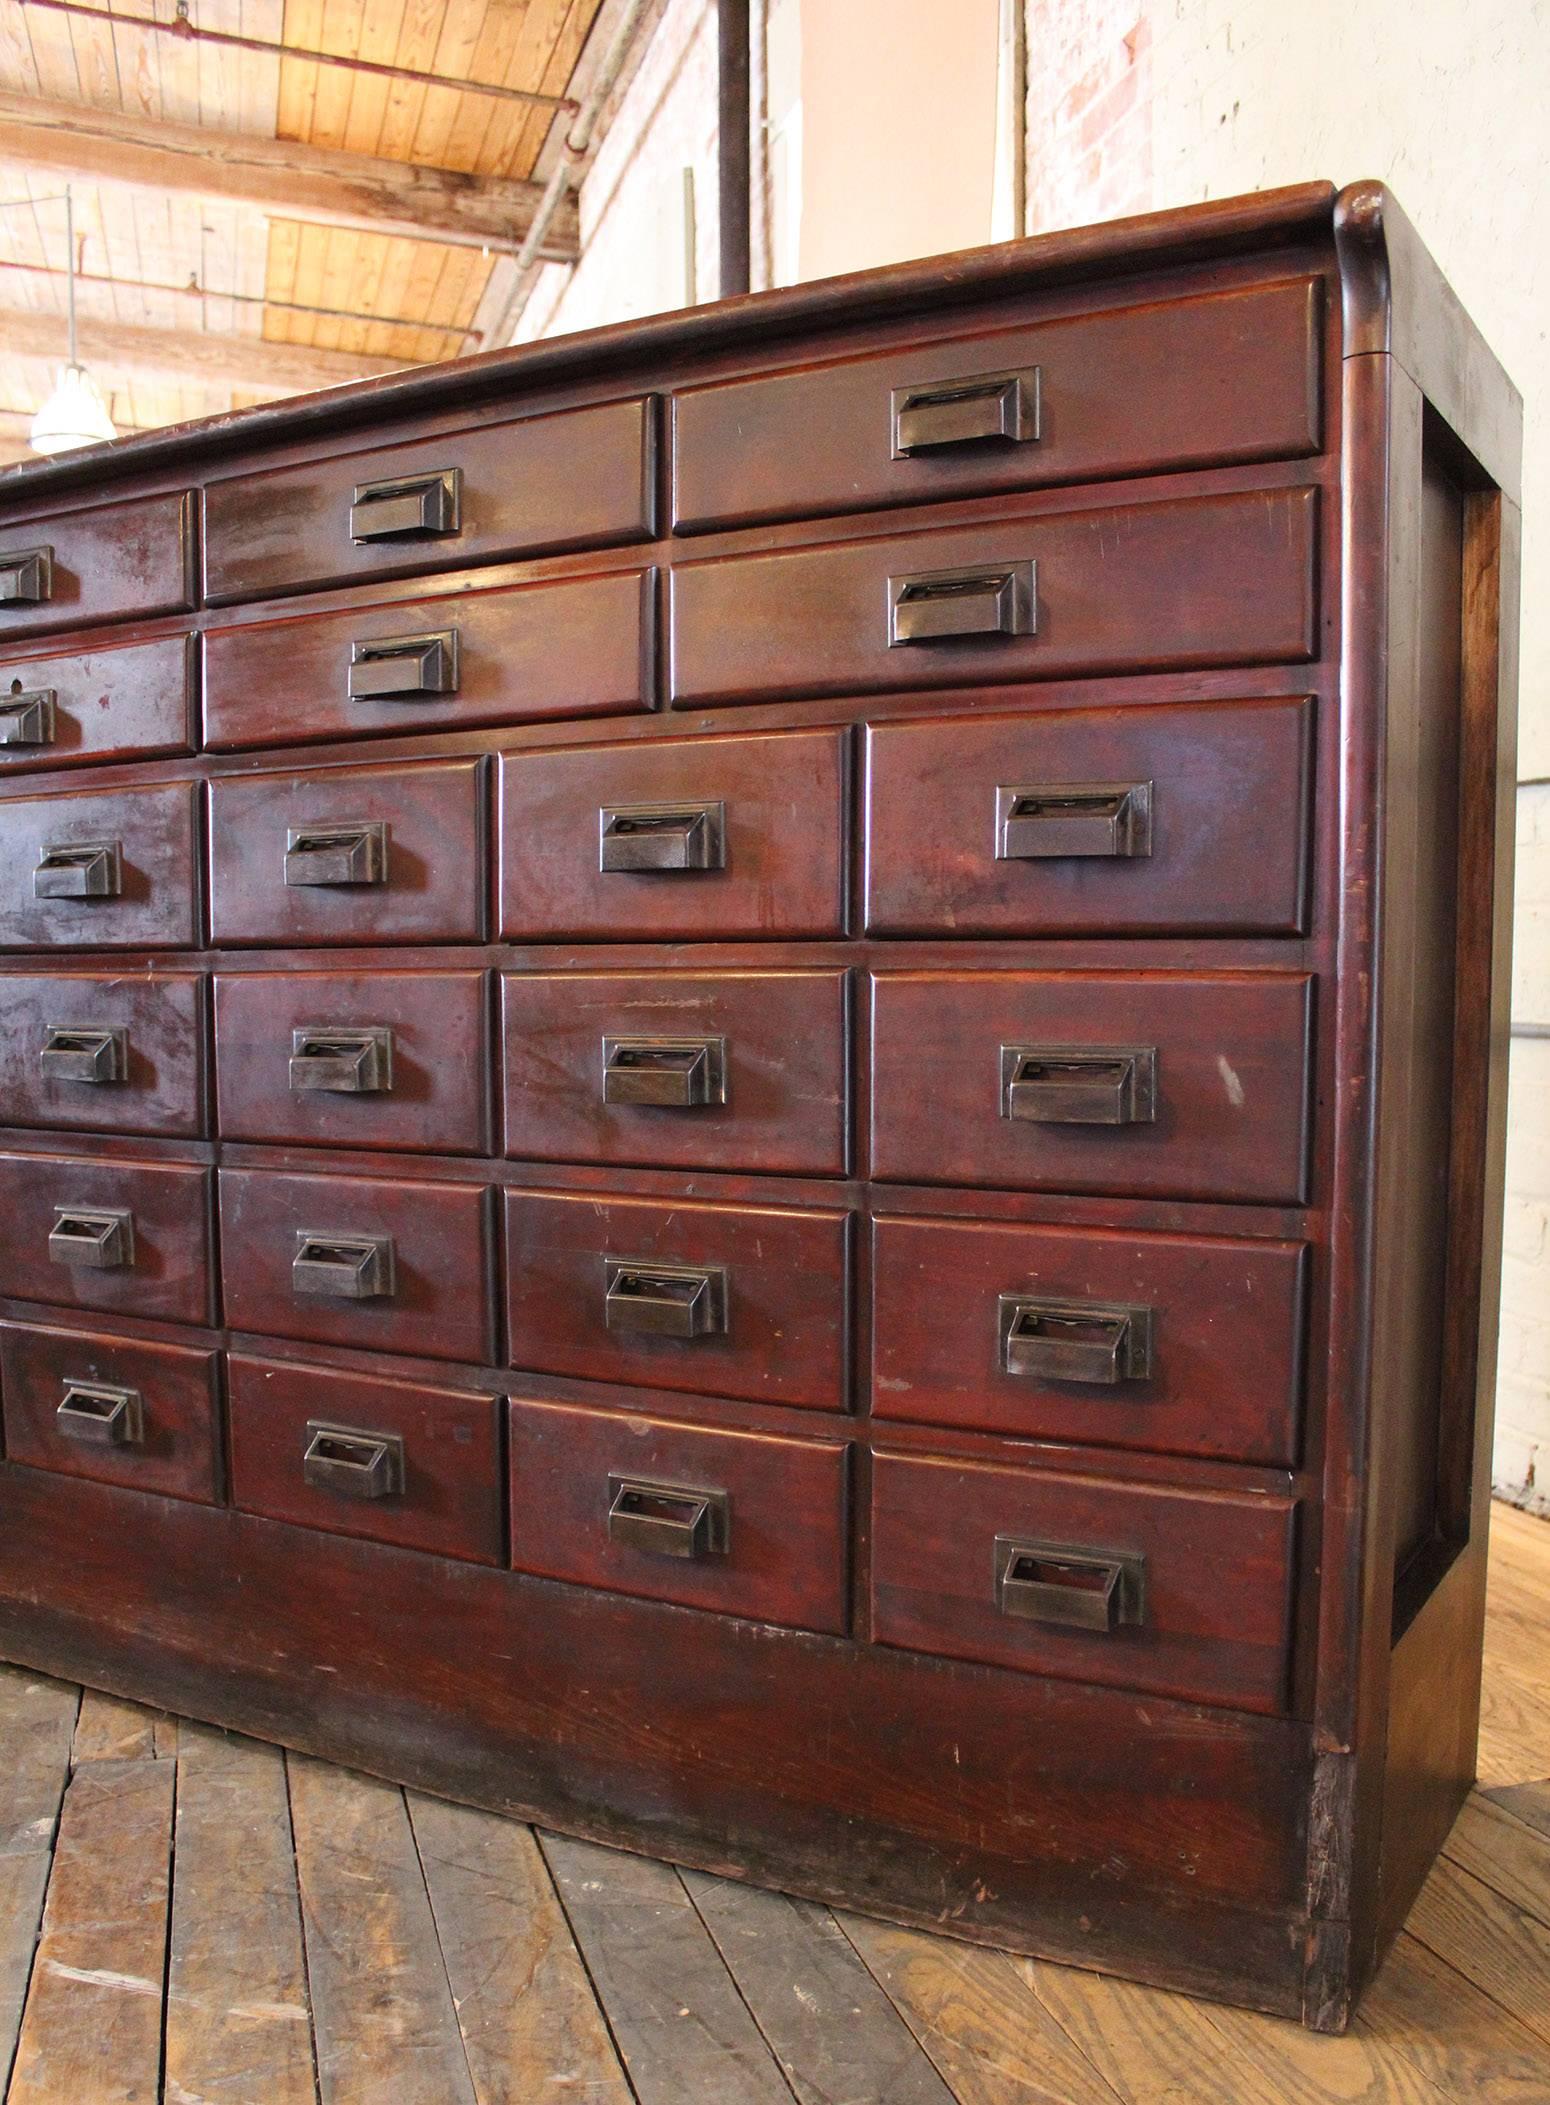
x: 667, y: 1520
x: 342, y: 1267
x: 351, y: 1463
x: 408, y: 507
x: 664, y: 1300
x: 99, y: 1416
x: 353, y: 852
x: 986, y: 599
x: 1077, y: 1589
x: 27, y: 717
x: 347, y: 1062
x: 97, y: 1240
x: 26, y: 577
x: 649, y: 838
x: 1074, y: 1340
x: 79, y: 870
x: 967, y: 412
x: 1079, y: 1085
x: 403, y: 668
x: 1055, y: 820
x: 84, y: 1054
x: 675, y: 1073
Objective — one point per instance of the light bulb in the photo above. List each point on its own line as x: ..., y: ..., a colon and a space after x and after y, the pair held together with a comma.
x: 74, y: 414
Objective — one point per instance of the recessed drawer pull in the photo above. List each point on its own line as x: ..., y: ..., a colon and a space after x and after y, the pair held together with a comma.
x: 1068, y: 819
x: 647, y: 838
x: 79, y: 870
x: 665, y: 1300
x: 84, y: 1054
x: 1079, y: 1589
x: 668, y: 1521
x: 352, y: 1464
x: 27, y: 717
x: 99, y: 1416
x: 26, y: 577
x: 966, y: 412
x: 97, y: 1240
x: 1087, y: 1085
x: 678, y: 1073
x: 403, y: 668
x: 408, y: 507
x: 1074, y: 1340
x: 349, y: 1062
x: 342, y: 1267
x: 987, y: 599
x: 353, y: 852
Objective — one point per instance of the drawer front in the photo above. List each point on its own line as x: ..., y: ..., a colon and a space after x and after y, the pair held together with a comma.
x: 1233, y: 376
x: 1142, y: 820
x: 116, y: 1409
x: 105, y: 1052
x: 716, y: 1300
x: 1185, y: 1344
x: 349, y: 855
x: 356, y: 1455
x: 131, y: 1237
x: 742, y: 1071
x: 353, y: 1059
x: 103, y: 870
x: 121, y: 703
x: 748, y: 1524
x: 1175, y: 583
x: 99, y: 565
x: 1171, y: 1084
x: 702, y: 837
x: 433, y: 664
x: 1181, y: 1593
x: 579, y: 479
x: 347, y: 1260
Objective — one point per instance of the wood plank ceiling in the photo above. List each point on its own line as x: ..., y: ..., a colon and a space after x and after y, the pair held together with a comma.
x: 253, y: 275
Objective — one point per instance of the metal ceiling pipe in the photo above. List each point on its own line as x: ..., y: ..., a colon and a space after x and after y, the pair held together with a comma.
x: 732, y: 144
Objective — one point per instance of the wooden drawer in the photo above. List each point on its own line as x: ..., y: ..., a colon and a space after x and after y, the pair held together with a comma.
x: 132, y: 1237
x: 692, y: 837
x: 716, y: 1300
x: 1174, y: 1084
x: 581, y: 478
x: 1177, y: 582
x: 1191, y: 383
x: 745, y: 1070
x: 108, y: 1052
x: 114, y: 702
x: 349, y: 855
x: 1186, y: 1344
x: 102, y: 869
x: 116, y: 1409
x: 1182, y: 1593
x: 449, y: 664
x: 356, y: 1454
x: 353, y: 1059
x: 348, y: 1260
x: 1141, y: 820
x: 115, y: 560
x: 748, y: 1524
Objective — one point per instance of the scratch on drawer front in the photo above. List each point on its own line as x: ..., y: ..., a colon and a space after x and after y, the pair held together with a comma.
x: 1230, y: 1081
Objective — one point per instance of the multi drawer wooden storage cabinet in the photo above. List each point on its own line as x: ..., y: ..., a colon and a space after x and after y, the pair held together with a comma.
x: 753, y: 1076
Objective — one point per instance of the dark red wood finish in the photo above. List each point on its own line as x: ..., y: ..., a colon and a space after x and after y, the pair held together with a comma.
x: 122, y: 701
x: 176, y: 1448
x: 150, y: 832
x: 165, y: 1266
x: 103, y: 564
x: 156, y: 1082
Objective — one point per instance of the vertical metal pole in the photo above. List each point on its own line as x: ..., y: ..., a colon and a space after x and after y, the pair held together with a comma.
x: 733, y: 144
x: 70, y: 268
x: 691, y: 243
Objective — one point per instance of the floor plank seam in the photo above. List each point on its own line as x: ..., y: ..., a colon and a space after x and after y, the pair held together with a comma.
x: 166, y: 1953
x: 441, y: 1952
x: 37, y: 1927
x: 301, y: 1919
x: 586, y: 1966
x: 781, y: 2070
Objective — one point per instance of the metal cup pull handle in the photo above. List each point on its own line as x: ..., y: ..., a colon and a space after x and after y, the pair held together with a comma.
x: 26, y: 577
x: 664, y: 1300
x: 1083, y: 1085
x: 1056, y: 821
x: 408, y: 507
x: 79, y: 870
x: 342, y: 1267
x: 986, y: 599
x: 353, y: 851
x: 978, y: 407
x: 84, y: 1053
x: 100, y: 1416
x: 343, y: 1061
x: 648, y: 839
x: 28, y: 718
x: 674, y: 1073
x: 403, y: 668
x: 669, y: 1520
x: 1074, y: 1340
x: 95, y: 1239
x: 351, y: 1463
x: 1074, y: 1588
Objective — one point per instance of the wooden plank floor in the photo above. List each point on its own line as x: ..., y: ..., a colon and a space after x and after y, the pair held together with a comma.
x: 197, y: 1918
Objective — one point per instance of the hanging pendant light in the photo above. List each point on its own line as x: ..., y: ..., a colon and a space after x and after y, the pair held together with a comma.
x: 75, y: 413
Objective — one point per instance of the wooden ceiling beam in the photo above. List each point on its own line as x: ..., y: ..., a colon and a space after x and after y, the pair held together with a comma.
x: 191, y: 356
x: 281, y: 177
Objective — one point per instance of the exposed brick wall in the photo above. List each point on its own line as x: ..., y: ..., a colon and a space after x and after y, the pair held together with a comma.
x: 1089, y: 111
